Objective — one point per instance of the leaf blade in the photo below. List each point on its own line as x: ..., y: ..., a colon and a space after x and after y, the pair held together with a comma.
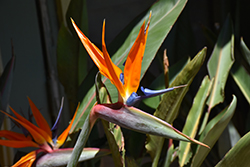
x: 238, y: 155
x: 220, y: 63
x: 214, y: 128
x: 193, y: 119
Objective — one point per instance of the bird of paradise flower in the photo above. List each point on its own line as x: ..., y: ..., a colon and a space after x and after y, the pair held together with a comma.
x: 38, y: 136
x: 128, y: 82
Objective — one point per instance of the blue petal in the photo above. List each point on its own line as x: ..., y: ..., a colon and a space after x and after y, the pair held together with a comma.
x: 54, y: 129
x: 152, y: 93
x: 133, y: 98
x: 122, y: 78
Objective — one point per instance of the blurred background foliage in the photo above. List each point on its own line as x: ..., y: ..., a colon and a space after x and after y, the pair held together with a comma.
x: 43, y: 42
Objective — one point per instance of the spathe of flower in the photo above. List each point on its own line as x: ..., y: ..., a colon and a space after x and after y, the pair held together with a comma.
x: 135, y: 119
x: 39, y: 136
x: 128, y: 82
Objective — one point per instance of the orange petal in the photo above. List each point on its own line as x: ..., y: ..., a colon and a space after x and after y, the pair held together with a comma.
x: 27, y: 160
x: 41, y: 122
x: 32, y: 127
x: 14, y: 136
x: 35, y: 132
x: 95, y: 54
x: 61, y: 139
x: 113, y: 69
x: 18, y: 144
x: 132, y: 69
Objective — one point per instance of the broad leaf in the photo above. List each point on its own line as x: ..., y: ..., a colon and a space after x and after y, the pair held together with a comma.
x: 245, y: 51
x: 78, y: 11
x: 164, y: 14
x: 240, y: 74
x: 239, y: 154
x: 193, y: 119
x: 213, y: 131
x: 170, y: 103
x: 242, y: 79
x: 220, y: 63
x: 66, y: 64
x: 71, y: 57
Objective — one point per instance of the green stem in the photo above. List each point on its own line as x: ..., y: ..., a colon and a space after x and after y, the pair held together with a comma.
x: 80, y: 143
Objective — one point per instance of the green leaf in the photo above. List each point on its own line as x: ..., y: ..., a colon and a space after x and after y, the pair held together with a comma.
x: 66, y: 64
x: 193, y: 119
x: 220, y: 63
x: 170, y: 103
x: 242, y: 79
x: 213, y: 131
x: 72, y: 59
x: 239, y: 154
x: 61, y: 157
x: 78, y: 10
x: 177, y: 68
x: 169, y: 156
x: 240, y: 74
x: 164, y: 14
x: 245, y: 51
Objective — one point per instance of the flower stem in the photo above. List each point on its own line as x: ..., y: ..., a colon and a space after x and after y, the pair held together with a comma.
x: 80, y: 143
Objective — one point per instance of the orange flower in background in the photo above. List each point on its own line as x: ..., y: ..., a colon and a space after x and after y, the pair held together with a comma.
x: 38, y: 136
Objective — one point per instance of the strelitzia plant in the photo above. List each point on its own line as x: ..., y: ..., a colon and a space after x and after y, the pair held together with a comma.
x: 122, y: 113
x: 41, y: 137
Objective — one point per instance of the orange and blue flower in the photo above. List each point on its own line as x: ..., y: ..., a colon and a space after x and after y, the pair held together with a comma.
x: 128, y: 82
x: 38, y: 136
